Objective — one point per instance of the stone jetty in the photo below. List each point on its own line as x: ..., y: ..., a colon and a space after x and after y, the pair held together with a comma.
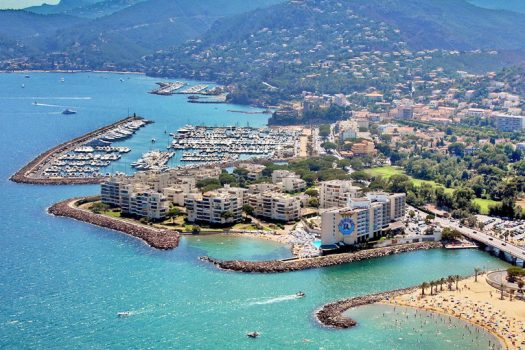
x: 332, y: 315
x: 156, y: 238
x: 27, y: 174
x: 316, y: 262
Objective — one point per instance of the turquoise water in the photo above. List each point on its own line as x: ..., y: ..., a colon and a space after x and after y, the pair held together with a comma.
x: 62, y: 282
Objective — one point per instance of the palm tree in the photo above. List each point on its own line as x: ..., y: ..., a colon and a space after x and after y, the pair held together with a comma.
x: 501, y: 289
x: 457, y: 278
x: 431, y: 284
x: 520, y: 286
x: 441, y: 282
x: 450, y: 280
x: 423, y: 286
x: 477, y: 270
x: 511, y: 293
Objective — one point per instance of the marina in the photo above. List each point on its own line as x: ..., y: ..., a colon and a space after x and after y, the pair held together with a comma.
x: 153, y: 160
x: 83, y: 159
x: 222, y: 144
x: 168, y: 88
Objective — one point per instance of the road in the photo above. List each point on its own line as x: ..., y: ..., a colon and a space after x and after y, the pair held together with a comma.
x: 484, y: 238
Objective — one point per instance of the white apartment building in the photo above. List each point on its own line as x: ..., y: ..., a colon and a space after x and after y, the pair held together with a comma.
x: 363, y: 219
x: 509, y: 123
x: 288, y: 181
x: 216, y: 208
x: 336, y: 193
x: 275, y: 206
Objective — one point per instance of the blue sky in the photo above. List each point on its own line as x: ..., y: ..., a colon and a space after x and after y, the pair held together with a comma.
x: 18, y: 4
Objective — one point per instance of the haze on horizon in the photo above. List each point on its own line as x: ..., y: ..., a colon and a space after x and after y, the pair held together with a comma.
x: 20, y: 4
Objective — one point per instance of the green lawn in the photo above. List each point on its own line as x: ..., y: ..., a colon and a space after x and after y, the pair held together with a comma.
x: 484, y: 204
x: 388, y: 171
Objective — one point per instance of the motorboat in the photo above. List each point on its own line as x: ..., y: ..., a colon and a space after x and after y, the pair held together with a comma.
x: 69, y: 111
x: 253, y: 334
x: 300, y: 294
x: 123, y: 314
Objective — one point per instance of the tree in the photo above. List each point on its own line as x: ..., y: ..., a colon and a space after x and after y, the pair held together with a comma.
x: 195, y: 229
x: 248, y: 209
x: 173, y: 213
x: 227, y: 215
x: 329, y: 145
x: 313, y: 202
x: 99, y: 207
x: 312, y: 192
x: 423, y: 286
x: 476, y: 273
x: 457, y: 278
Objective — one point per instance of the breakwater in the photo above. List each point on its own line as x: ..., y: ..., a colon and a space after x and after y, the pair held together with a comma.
x: 156, y: 238
x: 316, y: 262
x: 27, y: 174
x: 332, y: 315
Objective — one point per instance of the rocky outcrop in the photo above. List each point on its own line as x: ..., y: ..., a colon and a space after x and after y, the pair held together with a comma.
x: 332, y: 315
x: 316, y: 262
x: 156, y: 238
x: 24, y: 175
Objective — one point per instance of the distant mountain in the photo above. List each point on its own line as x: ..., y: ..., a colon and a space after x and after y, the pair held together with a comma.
x: 510, y: 5
x: 84, y: 8
x: 147, y: 26
x: 62, y: 7
x: 20, y: 25
x: 332, y: 46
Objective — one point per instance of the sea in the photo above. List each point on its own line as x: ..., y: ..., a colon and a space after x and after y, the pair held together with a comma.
x: 62, y: 282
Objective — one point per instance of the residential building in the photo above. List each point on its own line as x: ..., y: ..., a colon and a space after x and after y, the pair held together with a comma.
x: 215, y: 208
x: 254, y: 171
x: 364, y: 148
x: 288, y: 181
x: 275, y: 206
x: 362, y: 220
x: 509, y: 123
x: 335, y: 193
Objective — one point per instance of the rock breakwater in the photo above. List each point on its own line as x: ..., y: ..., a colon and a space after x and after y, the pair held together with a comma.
x: 316, y: 262
x: 156, y: 238
x: 332, y: 315
x: 27, y: 173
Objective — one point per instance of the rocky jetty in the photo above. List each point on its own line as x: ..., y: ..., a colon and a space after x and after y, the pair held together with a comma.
x: 316, y: 262
x: 156, y: 238
x: 27, y: 173
x: 331, y: 315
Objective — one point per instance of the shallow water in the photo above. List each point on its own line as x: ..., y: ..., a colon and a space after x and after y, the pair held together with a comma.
x: 62, y: 282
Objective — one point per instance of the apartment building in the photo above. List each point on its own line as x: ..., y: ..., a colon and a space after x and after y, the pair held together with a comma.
x: 275, y: 206
x: 364, y: 148
x: 363, y: 219
x: 288, y: 181
x: 134, y: 198
x: 215, y: 208
x: 509, y: 123
x: 336, y: 193
x: 254, y: 170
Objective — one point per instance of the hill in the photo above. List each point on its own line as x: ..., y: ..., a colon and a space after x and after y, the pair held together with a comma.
x: 510, y: 5
x: 84, y: 8
x: 330, y: 46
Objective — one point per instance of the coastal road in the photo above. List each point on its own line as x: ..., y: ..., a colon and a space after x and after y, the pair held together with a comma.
x: 484, y: 238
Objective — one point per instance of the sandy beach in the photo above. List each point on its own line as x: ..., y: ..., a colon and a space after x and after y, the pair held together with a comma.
x: 477, y: 303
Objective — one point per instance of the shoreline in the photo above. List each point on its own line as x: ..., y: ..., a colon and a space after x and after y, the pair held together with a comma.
x: 155, y: 238
x: 332, y: 314
x: 289, y: 265
x: 22, y: 175
x: 66, y: 71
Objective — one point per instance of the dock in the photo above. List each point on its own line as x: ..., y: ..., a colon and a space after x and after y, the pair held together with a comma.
x: 167, y: 88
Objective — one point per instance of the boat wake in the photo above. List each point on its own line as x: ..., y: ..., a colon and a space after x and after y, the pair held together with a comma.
x: 49, y: 105
x: 45, y: 98
x: 279, y: 299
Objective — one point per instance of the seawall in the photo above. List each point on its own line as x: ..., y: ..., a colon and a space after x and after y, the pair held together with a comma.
x: 156, y: 238
x: 274, y: 266
x: 331, y: 315
x: 24, y: 174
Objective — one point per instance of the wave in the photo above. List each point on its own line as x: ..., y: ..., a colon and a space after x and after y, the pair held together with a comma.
x: 279, y: 299
x: 51, y: 105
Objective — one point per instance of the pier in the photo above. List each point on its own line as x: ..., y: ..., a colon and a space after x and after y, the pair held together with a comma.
x: 166, y: 89
x: 71, y: 163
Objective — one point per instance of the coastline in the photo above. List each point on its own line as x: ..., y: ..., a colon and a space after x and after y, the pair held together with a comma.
x: 66, y: 71
x: 155, y: 238
x: 23, y: 175
x: 332, y: 314
x: 289, y: 265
